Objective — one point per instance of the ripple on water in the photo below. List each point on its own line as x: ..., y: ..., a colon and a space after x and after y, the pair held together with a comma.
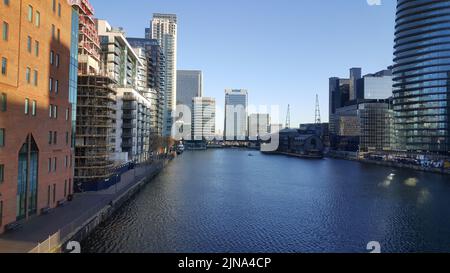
x: 226, y: 201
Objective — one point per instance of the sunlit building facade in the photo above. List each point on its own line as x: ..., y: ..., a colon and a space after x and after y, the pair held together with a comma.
x: 422, y: 77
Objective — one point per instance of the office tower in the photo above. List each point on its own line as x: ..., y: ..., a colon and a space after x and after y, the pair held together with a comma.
x: 421, y: 76
x: 189, y: 86
x: 355, y: 75
x: 156, y: 73
x: 36, y: 170
x: 164, y: 29
x: 377, y: 86
x: 339, y: 95
x: 128, y: 69
x: 204, y: 118
x: 258, y: 126
x: 236, y: 104
x: 376, y: 126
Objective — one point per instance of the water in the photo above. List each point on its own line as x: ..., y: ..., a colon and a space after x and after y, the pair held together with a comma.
x: 226, y: 201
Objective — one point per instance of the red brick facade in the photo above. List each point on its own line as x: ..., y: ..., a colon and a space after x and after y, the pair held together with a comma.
x: 18, y: 85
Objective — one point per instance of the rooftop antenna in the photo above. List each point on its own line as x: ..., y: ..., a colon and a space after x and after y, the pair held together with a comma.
x: 288, y: 117
x: 318, y: 118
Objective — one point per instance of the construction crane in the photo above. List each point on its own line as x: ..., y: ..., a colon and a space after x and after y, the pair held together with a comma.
x: 288, y: 117
x: 318, y: 118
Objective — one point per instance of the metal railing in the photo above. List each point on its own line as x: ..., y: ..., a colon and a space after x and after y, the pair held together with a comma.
x: 55, y: 241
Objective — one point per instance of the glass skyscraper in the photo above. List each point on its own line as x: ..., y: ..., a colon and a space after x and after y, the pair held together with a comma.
x: 422, y: 75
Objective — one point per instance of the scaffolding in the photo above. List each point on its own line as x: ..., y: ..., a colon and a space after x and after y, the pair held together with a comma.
x: 96, y: 117
x: 89, y: 42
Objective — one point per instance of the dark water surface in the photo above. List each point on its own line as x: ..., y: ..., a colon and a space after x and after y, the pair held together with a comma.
x: 227, y: 201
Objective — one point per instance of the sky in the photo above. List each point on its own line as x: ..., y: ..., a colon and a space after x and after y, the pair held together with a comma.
x: 282, y: 51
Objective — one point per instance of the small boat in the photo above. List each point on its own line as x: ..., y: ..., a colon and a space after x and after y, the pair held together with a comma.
x: 250, y: 155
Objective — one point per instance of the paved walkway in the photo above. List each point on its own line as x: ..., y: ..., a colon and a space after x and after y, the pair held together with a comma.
x: 83, y: 207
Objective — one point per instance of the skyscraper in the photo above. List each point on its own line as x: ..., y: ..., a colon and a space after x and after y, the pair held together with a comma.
x: 422, y: 77
x: 236, y: 104
x: 189, y: 86
x: 258, y: 126
x: 35, y: 107
x: 163, y: 28
x: 203, y: 118
x: 355, y: 75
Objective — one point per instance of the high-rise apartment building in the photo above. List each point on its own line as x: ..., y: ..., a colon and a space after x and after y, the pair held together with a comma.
x: 421, y: 76
x: 128, y: 66
x: 156, y: 74
x: 236, y: 105
x: 36, y: 170
x: 203, y: 118
x: 96, y: 106
x: 163, y: 28
x: 189, y: 86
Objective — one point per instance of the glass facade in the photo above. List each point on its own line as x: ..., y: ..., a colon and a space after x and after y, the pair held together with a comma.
x: 422, y: 76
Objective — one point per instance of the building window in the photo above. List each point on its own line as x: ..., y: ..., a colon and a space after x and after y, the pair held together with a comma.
x: 55, y: 111
x: 66, y: 161
x: 49, y: 165
x: 59, y: 9
x: 48, y: 196
x: 59, y: 35
x: 6, y: 2
x: 28, y: 75
x: 67, y: 137
x: 50, y: 111
x: 55, y: 137
x: 56, y: 86
x: 54, y: 5
x: 50, y: 137
x: 36, y: 77
x: 36, y: 48
x: 54, y: 193
x: 29, y: 42
x: 33, y: 108
x: 53, y: 31
x: 27, y: 106
x: 30, y: 14
x: 54, y: 164
x: 65, y: 188
x: 57, y: 60
x: 2, y: 173
x: 50, y: 84
x: 67, y: 114
x: 3, y: 102
x: 5, y: 31
x: 37, y: 20
x: 4, y: 65
x: 2, y: 137
x: 52, y: 56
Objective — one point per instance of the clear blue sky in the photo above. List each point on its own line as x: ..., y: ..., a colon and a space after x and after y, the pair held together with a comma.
x: 282, y: 51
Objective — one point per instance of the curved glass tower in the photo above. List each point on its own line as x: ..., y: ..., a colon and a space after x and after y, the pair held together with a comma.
x: 422, y: 75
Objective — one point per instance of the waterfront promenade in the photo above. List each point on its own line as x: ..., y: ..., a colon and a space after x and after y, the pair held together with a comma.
x: 68, y: 218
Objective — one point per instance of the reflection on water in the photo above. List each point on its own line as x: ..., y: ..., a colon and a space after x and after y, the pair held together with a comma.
x: 226, y: 201
x: 411, y: 182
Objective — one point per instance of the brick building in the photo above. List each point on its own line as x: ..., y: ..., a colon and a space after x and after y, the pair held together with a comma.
x: 36, y: 170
